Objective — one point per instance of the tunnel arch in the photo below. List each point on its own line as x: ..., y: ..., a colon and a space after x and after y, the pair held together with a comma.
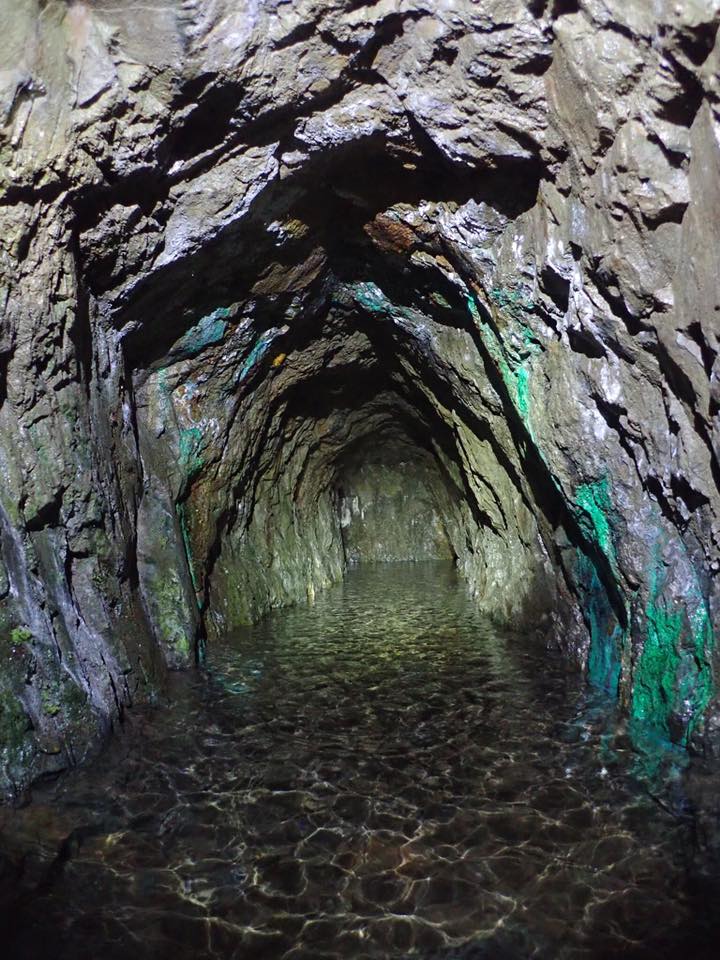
x: 474, y: 215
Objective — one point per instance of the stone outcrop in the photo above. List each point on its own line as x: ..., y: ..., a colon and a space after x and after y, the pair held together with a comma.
x: 249, y: 249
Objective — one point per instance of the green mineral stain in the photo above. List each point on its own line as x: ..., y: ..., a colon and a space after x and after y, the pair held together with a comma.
x: 673, y: 677
x: 512, y: 364
x: 254, y: 356
x: 190, y: 446
x: 187, y: 544
x: 606, y: 634
x: 522, y: 389
x: 656, y: 760
x: 655, y: 679
x: 207, y: 331
x: 472, y: 307
x: 593, y: 515
x: 701, y: 687
x: 371, y: 297
x: 513, y: 301
x: 593, y: 512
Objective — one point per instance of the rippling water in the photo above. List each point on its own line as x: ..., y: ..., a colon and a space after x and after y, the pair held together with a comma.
x: 382, y: 774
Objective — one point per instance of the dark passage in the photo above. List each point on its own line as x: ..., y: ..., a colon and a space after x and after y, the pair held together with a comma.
x: 381, y: 774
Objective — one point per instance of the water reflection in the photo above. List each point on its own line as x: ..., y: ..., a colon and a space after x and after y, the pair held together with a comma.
x: 379, y: 775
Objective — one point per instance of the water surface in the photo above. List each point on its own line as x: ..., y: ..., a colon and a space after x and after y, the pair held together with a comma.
x: 382, y: 774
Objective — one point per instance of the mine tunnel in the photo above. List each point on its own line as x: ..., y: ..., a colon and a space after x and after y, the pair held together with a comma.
x: 347, y: 332
x: 359, y: 453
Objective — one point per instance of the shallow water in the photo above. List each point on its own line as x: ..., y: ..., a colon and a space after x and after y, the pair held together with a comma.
x: 382, y: 774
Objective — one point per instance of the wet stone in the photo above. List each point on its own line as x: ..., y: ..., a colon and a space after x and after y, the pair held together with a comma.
x: 281, y: 875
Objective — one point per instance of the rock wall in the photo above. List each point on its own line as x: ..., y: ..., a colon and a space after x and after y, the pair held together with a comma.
x: 239, y: 240
x: 394, y: 509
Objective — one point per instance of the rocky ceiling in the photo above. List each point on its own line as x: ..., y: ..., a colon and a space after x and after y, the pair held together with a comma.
x: 249, y: 249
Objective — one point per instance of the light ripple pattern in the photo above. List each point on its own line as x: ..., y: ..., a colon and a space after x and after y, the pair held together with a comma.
x: 381, y: 774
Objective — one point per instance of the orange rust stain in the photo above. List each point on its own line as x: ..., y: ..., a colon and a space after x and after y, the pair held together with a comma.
x: 389, y: 235
x: 444, y: 262
x: 280, y: 278
x: 279, y: 359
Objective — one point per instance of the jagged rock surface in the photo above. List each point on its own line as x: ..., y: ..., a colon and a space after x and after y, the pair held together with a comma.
x: 243, y: 243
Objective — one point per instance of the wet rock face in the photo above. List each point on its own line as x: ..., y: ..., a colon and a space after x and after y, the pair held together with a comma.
x: 250, y: 250
x: 394, y: 506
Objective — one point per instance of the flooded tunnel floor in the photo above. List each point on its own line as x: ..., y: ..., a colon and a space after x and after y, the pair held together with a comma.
x: 381, y: 774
